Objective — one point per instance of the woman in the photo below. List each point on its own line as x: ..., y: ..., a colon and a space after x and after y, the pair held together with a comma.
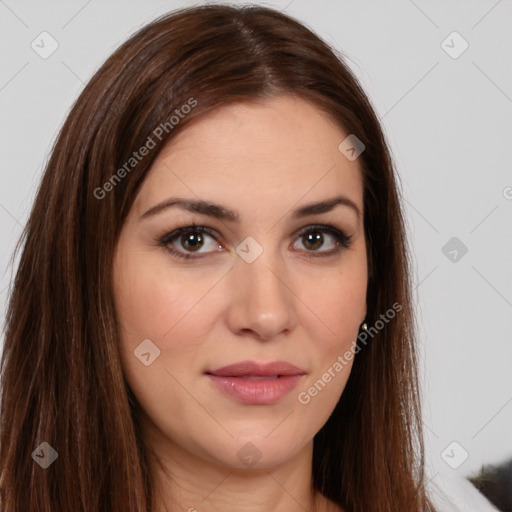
x: 212, y: 308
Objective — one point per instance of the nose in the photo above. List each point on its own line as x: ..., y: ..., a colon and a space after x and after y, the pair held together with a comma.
x: 262, y: 303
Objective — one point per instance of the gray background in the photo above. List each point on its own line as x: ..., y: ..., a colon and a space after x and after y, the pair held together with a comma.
x: 448, y: 122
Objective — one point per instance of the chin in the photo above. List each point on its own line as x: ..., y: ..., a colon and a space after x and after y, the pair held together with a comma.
x: 255, y: 452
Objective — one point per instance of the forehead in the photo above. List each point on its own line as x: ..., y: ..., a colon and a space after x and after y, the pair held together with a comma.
x: 273, y: 152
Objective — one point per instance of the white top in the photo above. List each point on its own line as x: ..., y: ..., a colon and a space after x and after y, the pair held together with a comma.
x: 456, y: 494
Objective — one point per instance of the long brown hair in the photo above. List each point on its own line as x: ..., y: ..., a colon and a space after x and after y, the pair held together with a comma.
x: 61, y: 377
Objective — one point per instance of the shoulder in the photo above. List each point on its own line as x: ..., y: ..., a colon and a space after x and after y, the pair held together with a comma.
x: 454, y: 493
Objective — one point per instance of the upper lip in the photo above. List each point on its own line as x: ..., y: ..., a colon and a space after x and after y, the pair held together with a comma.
x: 253, y: 368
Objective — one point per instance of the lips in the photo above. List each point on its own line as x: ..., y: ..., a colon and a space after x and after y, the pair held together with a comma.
x: 251, y: 369
x: 252, y: 383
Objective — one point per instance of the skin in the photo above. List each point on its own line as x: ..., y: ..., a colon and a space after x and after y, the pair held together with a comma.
x: 263, y: 159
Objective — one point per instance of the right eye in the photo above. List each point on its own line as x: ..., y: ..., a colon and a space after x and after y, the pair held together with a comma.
x: 191, y: 239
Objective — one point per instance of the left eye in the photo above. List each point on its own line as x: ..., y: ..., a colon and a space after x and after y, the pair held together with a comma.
x: 314, y: 238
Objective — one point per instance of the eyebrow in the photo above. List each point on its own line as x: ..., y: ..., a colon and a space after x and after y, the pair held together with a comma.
x: 220, y: 212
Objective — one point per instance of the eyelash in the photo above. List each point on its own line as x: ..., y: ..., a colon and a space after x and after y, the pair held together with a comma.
x: 343, y: 240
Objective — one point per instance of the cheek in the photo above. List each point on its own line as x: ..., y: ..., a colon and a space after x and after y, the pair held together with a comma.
x: 165, y: 309
x: 169, y: 308
x: 342, y: 307
x: 150, y: 300
x: 337, y: 300
x: 338, y: 305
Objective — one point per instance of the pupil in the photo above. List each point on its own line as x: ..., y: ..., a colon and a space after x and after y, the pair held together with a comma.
x: 190, y: 241
x: 314, y: 239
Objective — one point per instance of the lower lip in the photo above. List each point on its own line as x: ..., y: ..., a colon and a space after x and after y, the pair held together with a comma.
x: 256, y: 392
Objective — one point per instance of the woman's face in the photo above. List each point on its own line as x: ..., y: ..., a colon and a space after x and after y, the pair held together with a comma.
x: 264, y: 282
